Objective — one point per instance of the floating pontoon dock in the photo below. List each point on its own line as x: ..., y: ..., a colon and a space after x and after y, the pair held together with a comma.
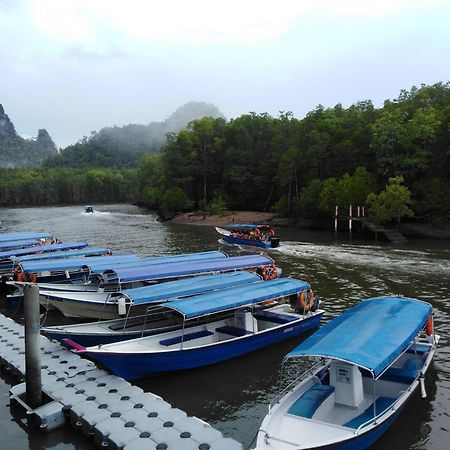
x: 106, y: 408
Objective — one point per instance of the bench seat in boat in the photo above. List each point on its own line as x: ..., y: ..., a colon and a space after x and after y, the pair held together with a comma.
x: 381, y: 404
x: 310, y: 401
x: 233, y: 331
x: 186, y: 337
x: 405, y: 374
x: 274, y: 317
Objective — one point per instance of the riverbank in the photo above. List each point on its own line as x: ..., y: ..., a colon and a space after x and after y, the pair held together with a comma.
x: 411, y: 230
x: 207, y: 219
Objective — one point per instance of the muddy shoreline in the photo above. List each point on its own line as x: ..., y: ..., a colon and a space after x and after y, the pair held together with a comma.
x: 413, y: 230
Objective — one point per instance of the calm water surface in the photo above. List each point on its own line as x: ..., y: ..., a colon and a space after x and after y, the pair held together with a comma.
x: 233, y: 396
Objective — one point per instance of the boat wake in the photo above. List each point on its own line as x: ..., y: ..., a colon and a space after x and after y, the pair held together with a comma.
x: 399, y: 260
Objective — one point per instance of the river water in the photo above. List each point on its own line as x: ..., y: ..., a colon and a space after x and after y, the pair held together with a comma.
x: 233, y: 395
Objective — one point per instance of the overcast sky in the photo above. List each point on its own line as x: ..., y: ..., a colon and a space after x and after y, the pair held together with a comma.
x: 72, y: 66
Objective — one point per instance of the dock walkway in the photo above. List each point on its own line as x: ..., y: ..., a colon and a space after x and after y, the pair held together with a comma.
x: 106, y: 408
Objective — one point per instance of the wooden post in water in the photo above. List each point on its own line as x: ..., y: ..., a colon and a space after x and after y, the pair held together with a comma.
x: 32, y: 346
x: 336, y: 219
x: 350, y: 218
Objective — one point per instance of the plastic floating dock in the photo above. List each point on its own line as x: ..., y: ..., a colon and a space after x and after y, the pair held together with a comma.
x: 106, y: 408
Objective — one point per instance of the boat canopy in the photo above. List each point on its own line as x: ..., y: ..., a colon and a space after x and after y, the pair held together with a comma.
x: 189, y: 286
x: 100, y: 268
x: 184, y: 268
x: 88, y: 251
x: 9, y: 245
x: 16, y: 236
x: 371, y: 334
x: 247, y: 226
x: 237, y: 297
x: 71, y: 263
x: 43, y: 249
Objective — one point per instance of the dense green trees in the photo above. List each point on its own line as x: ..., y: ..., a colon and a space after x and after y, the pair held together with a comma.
x: 64, y: 186
x: 333, y: 156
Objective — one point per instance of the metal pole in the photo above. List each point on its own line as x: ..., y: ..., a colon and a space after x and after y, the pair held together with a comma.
x: 32, y: 346
x: 336, y: 219
x: 350, y: 218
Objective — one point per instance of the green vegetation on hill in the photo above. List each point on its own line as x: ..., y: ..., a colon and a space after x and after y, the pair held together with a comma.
x: 334, y: 156
x: 395, y: 159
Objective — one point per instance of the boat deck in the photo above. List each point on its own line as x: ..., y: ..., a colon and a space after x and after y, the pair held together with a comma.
x: 116, y: 414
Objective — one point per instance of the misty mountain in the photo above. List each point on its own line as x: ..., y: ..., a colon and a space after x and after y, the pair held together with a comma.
x: 120, y: 147
x: 16, y: 151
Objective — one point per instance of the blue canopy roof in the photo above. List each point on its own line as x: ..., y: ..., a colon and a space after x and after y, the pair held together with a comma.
x: 184, y: 268
x: 42, y: 249
x: 100, y: 268
x: 247, y: 226
x: 371, y: 334
x: 237, y: 297
x: 71, y: 263
x: 15, y: 236
x: 9, y: 245
x: 189, y: 286
x: 88, y: 251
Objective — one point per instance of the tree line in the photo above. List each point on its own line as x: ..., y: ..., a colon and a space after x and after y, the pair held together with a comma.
x: 62, y: 185
x: 305, y: 167
x: 360, y: 155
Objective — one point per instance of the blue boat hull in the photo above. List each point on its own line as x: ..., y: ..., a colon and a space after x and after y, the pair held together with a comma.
x: 252, y: 242
x: 137, y: 365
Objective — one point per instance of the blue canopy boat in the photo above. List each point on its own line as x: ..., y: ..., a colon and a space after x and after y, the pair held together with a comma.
x: 67, y: 269
x: 21, y: 243
x: 140, y: 299
x: 126, y: 276
x: 88, y: 209
x: 371, y: 359
x: 111, y: 305
x: 156, y: 260
x: 47, y: 248
x: 262, y: 236
x: 8, y: 264
x: 264, y: 312
x: 20, y: 235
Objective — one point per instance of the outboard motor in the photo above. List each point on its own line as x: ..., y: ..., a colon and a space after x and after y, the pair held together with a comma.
x: 275, y: 241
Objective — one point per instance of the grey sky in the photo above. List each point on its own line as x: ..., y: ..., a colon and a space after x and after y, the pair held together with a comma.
x: 72, y: 66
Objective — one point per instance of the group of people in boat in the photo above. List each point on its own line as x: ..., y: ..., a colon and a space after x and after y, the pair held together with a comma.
x: 261, y: 233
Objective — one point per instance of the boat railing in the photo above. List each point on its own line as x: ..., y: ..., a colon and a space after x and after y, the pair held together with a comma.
x: 297, y: 380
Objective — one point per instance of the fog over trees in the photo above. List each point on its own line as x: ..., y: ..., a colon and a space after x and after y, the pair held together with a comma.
x: 297, y: 167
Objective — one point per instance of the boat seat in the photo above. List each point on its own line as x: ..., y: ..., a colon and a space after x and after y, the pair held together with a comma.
x: 186, y: 337
x: 233, y: 331
x: 274, y: 317
x: 310, y: 401
x: 381, y: 404
x: 405, y: 374
x: 420, y: 349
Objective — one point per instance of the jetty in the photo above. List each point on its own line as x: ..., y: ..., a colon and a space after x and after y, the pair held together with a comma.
x: 107, y: 409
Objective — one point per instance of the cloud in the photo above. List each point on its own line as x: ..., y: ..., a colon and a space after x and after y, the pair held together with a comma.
x: 100, y: 24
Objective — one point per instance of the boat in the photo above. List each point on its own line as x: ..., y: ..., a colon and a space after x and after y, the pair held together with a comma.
x: 7, y: 256
x: 365, y: 366
x: 121, y: 278
x: 7, y: 264
x: 66, y: 269
x: 112, y: 305
x: 262, y: 236
x: 21, y: 235
x: 88, y: 209
x: 134, y: 326
x: 102, y: 303
x: 264, y: 313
